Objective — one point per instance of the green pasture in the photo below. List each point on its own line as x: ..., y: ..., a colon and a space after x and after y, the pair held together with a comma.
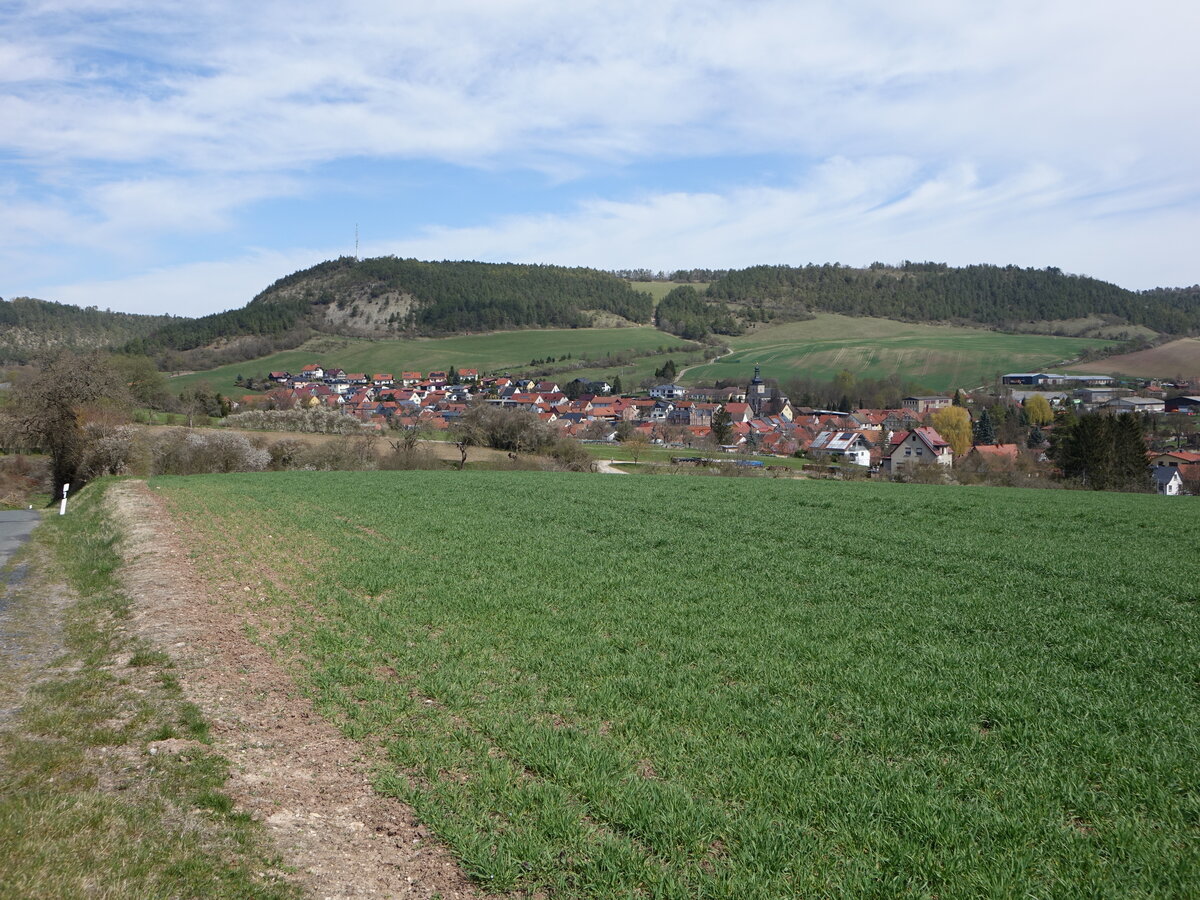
x: 941, y: 357
x: 660, y: 289
x: 498, y: 352
x: 595, y: 686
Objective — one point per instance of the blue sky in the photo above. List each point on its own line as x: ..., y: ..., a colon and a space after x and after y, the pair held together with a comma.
x: 180, y: 157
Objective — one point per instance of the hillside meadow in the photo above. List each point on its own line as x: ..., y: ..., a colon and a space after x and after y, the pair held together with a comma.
x: 499, y: 351
x: 594, y: 686
x: 941, y: 357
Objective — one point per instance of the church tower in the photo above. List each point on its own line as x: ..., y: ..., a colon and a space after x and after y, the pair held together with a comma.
x: 758, y: 394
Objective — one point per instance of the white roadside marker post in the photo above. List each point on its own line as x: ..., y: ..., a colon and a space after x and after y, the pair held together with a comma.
x: 62, y: 507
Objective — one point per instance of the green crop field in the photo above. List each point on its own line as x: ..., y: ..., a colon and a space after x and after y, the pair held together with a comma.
x: 597, y: 686
x: 501, y: 351
x: 941, y: 357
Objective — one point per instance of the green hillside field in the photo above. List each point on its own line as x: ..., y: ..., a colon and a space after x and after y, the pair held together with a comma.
x: 593, y: 686
x: 660, y: 289
x: 941, y: 357
x: 497, y: 352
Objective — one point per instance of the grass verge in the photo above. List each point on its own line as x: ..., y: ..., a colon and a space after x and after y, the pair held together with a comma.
x: 108, y: 785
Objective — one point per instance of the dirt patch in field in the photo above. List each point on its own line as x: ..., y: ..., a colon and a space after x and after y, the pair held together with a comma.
x: 290, y: 768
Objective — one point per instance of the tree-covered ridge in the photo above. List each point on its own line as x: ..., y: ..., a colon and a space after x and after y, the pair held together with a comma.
x: 685, y: 312
x: 187, y: 334
x: 932, y: 292
x: 29, y: 326
x: 468, y: 296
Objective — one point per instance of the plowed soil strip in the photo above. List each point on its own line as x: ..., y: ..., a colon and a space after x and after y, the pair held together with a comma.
x: 290, y: 768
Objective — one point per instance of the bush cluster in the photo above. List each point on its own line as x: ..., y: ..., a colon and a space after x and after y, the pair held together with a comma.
x: 306, y: 421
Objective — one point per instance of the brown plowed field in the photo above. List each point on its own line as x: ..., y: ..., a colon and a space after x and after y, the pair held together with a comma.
x: 1181, y: 357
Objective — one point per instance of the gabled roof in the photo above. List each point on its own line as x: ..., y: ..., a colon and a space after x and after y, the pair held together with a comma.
x: 1165, y: 474
x: 928, y: 436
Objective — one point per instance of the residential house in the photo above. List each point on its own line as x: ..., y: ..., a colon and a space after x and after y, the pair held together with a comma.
x: 668, y: 392
x: 920, y: 446
x: 992, y: 458
x: 1167, y: 480
x: 850, y: 446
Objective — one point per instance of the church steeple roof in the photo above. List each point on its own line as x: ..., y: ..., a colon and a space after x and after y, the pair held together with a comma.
x: 757, y: 379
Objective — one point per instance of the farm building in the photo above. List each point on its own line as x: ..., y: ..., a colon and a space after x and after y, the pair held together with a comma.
x: 1050, y: 379
x: 1135, y: 404
x: 1188, y: 405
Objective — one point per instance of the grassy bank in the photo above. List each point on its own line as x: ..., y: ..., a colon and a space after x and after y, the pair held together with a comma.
x: 107, y: 785
x: 601, y: 686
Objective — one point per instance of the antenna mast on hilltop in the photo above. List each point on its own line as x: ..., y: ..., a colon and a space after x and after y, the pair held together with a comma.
x: 356, y: 242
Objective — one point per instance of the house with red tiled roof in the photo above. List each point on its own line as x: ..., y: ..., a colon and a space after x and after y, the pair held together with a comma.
x: 312, y: 372
x: 920, y: 446
x: 739, y: 412
x: 991, y: 457
x: 408, y: 379
x: 383, y: 379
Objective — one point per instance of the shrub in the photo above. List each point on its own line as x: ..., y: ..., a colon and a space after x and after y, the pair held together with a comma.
x: 195, y: 453
x: 307, y: 421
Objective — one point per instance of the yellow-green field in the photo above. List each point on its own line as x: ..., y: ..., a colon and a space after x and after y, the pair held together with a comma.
x: 941, y: 357
x: 875, y: 690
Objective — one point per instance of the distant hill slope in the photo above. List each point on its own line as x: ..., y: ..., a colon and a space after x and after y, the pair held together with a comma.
x: 430, y: 298
x: 390, y: 297
x: 29, y: 326
x: 998, y: 296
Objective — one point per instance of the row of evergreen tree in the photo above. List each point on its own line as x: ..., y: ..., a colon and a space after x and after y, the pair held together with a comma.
x: 685, y: 312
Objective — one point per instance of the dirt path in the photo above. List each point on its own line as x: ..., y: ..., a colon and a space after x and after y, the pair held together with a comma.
x: 608, y: 468
x: 290, y: 768
x: 684, y: 370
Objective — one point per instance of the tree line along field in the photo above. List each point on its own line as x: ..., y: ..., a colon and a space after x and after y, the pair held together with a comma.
x: 600, y: 687
x: 941, y: 357
x: 497, y: 351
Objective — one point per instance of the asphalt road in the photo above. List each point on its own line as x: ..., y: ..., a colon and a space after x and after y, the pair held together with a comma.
x: 15, y: 526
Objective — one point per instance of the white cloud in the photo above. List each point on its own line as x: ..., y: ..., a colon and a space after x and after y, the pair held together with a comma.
x: 846, y: 212
x: 1039, y: 127
x: 194, y: 289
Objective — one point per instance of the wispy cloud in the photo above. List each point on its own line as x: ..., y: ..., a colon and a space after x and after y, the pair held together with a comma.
x: 131, y: 126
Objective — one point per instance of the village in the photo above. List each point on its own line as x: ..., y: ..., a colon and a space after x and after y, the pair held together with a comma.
x: 755, y: 418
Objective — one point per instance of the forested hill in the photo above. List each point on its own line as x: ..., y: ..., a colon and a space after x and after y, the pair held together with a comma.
x: 411, y: 296
x: 934, y: 292
x: 28, y: 326
x: 390, y: 297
